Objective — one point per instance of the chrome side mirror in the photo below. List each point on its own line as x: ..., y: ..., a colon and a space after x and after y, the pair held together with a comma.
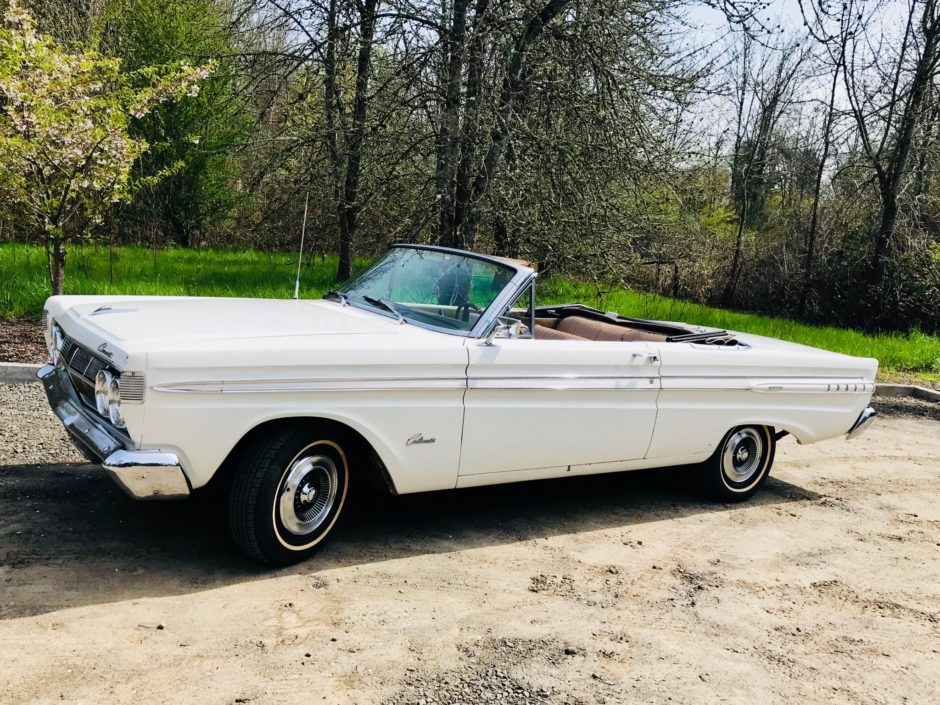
x: 504, y: 330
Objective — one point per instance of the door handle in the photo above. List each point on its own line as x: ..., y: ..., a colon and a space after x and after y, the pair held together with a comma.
x: 647, y: 357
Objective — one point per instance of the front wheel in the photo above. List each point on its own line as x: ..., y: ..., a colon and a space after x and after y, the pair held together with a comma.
x: 287, y: 493
x: 740, y: 464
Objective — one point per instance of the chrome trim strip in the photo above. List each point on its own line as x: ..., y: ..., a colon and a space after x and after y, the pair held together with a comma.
x: 529, y: 382
x: 270, y: 388
x: 392, y: 384
x: 147, y: 474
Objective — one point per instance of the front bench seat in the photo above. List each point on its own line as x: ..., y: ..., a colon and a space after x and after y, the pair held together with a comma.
x: 547, y: 333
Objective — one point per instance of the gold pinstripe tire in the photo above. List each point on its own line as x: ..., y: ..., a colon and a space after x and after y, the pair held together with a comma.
x: 288, y: 492
x: 740, y: 464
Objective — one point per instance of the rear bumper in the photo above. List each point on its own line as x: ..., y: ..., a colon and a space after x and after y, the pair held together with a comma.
x: 862, y: 423
x: 142, y: 474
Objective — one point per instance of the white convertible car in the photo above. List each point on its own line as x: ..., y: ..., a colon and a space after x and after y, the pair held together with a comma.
x: 432, y: 370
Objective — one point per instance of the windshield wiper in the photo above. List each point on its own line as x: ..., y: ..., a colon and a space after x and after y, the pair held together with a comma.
x: 337, y: 295
x: 387, y: 305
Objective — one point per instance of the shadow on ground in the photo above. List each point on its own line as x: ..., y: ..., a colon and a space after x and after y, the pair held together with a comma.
x: 72, y: 528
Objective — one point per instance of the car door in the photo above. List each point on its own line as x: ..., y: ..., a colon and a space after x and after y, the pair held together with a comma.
x: 535, y: 404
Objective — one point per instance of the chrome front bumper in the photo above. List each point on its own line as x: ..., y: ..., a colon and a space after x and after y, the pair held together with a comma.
x: 864, y: 419
x: 142, y: 474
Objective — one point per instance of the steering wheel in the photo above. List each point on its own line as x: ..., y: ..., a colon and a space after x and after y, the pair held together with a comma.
x: 463, y: 310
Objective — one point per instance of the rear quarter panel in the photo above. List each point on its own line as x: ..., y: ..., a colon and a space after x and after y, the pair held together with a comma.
x: 707, y: 390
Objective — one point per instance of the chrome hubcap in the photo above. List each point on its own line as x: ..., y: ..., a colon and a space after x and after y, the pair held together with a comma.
x: 307, y: 494
x: 742, y: 455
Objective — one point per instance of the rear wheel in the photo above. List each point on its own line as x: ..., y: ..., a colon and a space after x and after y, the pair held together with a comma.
x: 288, y: 492
x: 740, y: 464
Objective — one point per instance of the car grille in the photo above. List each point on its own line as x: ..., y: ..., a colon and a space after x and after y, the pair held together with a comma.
x: 132, y: 387
x: 45, y: 320
x: 83, y: 366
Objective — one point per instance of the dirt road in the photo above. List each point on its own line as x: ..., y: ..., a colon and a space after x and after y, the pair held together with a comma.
x: 617, y: 589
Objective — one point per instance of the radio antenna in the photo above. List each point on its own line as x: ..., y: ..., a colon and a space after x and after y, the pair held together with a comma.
x: 300, y: 257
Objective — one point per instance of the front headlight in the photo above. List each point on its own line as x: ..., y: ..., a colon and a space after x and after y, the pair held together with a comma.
x: 103, y: 392
x: 114, y: 402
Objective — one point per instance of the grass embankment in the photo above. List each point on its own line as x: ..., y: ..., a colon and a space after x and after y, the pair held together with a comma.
x: 23, y: 288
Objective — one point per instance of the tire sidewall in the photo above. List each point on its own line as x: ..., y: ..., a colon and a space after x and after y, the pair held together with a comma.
x: 718, y: 483
x: 277, y: 544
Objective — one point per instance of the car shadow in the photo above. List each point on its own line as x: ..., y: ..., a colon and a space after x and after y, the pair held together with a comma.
x: 69, y: 537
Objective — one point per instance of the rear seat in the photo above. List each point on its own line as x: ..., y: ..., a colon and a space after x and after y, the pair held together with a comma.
x: 590, y: 329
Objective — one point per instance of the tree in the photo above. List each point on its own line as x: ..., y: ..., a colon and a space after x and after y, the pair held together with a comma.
x: 65, y: 149
x: 195, y: 139
x: 349, y: 202
x: 888, y: 90
x: 764, y: 92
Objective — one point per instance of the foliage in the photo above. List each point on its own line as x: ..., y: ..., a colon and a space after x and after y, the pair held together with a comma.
x: 65, y: 150
x: 787, y: 171
x: 192, y: 141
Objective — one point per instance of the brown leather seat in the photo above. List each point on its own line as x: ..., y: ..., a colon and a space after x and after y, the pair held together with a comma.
x: 582, y: 327
x: 546, y: 333
x: 589, y: 329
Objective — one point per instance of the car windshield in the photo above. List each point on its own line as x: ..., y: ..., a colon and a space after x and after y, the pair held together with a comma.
x: 431, y: 287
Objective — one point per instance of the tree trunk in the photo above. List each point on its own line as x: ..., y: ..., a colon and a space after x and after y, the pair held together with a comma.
x: 469, y: 135
x: 330, y: 99
x: 885, y: 233
x: 449, y: 139
x: 349, y: 207
x: 58, y: 265
x: 727, y: 298
x: 808, y: 261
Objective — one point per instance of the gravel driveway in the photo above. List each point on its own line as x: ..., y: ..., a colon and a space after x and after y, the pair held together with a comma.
x: 611, y: 589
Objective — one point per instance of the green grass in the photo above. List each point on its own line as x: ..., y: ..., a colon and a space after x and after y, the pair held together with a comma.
x: 176, y: 272
x: 23, y: 288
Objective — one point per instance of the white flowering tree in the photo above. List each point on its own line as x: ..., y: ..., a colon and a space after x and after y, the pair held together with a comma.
x: 65, y: 151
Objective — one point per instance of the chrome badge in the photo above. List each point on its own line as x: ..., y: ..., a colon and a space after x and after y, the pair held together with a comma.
x: 419, y: 439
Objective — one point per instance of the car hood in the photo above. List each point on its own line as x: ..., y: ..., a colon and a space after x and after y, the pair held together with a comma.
x: 150, y: 323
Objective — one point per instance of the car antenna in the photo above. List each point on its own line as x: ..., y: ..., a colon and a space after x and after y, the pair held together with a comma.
x: 300, y: 257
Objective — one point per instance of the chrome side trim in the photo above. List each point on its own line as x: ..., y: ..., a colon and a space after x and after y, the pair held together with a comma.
x: 642, y: 383
x: 862, y: 423
x: 529, y: 382
x: 147, y: 474
x: 767, y: 385
x: 813, y: 387
x: 338, y: 384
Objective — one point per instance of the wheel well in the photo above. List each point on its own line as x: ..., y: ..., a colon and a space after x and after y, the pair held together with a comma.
x: 366, y: 463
